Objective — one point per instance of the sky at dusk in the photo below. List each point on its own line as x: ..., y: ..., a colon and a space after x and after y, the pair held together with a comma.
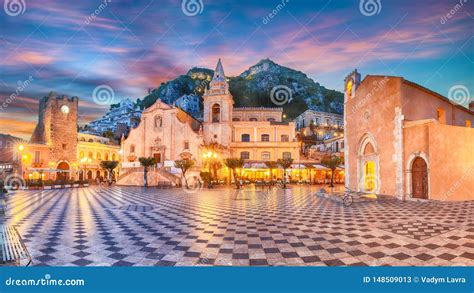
x: 72, y: 47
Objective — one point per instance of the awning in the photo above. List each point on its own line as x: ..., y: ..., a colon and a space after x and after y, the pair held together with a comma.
x: 321, y: 167
x: 298, y: 166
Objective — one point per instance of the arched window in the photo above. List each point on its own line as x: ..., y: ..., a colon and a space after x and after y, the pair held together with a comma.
x: 158, y: 121
x: 285, y: 138
x: 114, y: 157
x: 132, y: 148
x: 82, y: 139
x: 266, y: 156
x: 245, y: 155
x: 90, y: 155
x: 99, y: 156
x: 216, y: 113
x: 253, y: 119
x: 245, y: 137
x: 265, y: 137
x: 106, y: 156
x: 91, y: 140
x: 81, y: 155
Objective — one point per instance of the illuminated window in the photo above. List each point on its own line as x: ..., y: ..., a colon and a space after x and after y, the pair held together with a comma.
x: 81, y: 155
x: 99, y: 156
x: 245, y: 155
x: 266, y: 156
x: 106, y: 156
x: 113, y: 157
x: 245, y: 137
x: 90, y: 155
x: 265, y: 137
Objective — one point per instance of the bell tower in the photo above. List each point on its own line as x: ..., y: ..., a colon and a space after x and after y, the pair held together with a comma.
x: 218, y: 107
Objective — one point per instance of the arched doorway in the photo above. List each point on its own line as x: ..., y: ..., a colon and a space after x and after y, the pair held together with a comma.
x: 368, y: 165
x: 419, y: 178
x: 89, y: 175
x: 63, y: 171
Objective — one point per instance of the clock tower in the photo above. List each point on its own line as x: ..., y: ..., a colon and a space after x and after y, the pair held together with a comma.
x: 57, y: 127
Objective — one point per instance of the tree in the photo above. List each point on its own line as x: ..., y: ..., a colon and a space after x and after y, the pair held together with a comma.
x: 332, y: 162
x: 234, y: 164
x: 271, y: 165
x: 146, y: 163
x: 109, y: 166
x: 108, y: 134
x: 184, y: 165
x: 285, y: 164
x: 215, y: 165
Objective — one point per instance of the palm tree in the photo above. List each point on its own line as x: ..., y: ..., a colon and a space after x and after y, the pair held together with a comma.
x: 332, y: 162
x: 109, y: 166
x: 146, y: 163
x: 271, y: 165
x: 184, y: 165
x: 234, y: 164
x: 285, y: 164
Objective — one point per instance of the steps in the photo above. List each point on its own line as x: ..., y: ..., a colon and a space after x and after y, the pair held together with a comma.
x: 134, y: 177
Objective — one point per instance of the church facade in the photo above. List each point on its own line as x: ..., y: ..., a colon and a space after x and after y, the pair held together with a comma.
x: 168, y: 133
x: 405, y: 140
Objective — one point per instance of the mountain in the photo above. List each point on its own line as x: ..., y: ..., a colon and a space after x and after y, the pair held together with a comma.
x: 253, y: 87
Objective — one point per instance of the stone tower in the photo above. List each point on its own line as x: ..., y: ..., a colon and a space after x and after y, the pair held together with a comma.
x: 218, y: 106
x: 57, y: 127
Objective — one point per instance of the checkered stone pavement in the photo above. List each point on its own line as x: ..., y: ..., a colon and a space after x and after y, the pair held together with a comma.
x: 125, y: 226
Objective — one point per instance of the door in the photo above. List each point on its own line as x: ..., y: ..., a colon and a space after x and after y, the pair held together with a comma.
x: 157, y: 157
x: 420, y: 178
x: 369, y: 176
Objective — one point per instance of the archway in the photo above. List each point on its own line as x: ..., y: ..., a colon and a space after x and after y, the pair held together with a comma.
x: 368, y: 165
x: 419, y: 178
x: 63, y: 171
x: 89, y: 175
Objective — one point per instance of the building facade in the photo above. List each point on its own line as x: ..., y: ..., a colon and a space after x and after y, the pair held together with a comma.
x: 9, y: 156
x: 404, y: 140
x: 57, y: 151
x: 168, y: 133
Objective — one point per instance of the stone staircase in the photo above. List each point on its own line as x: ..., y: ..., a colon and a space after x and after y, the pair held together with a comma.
x: 134, y: 177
